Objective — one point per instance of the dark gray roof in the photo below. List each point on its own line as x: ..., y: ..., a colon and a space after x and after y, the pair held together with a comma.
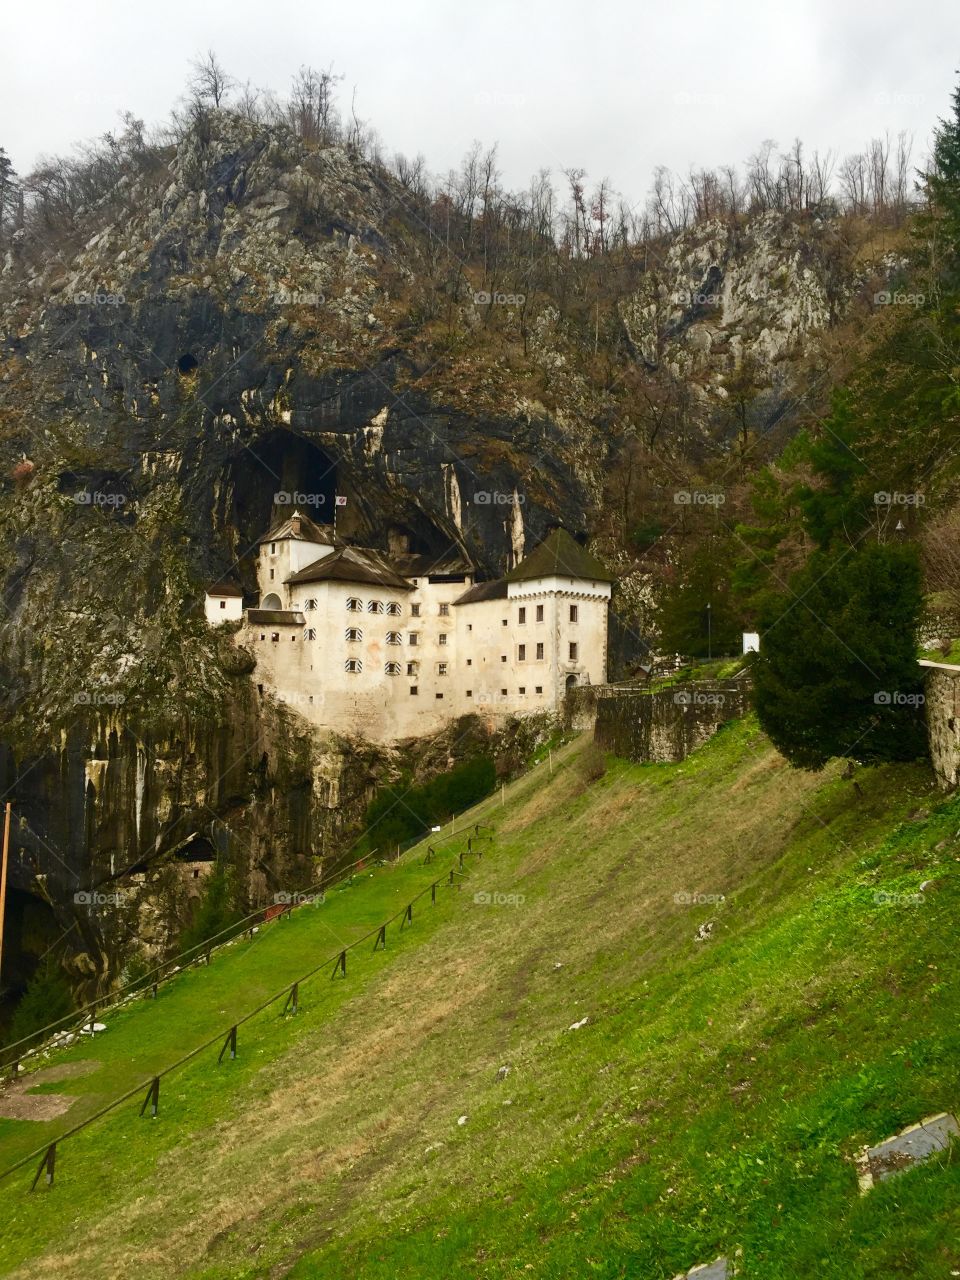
x: 447, y: 564
x: 224, y: 589
x: 277, y: 617
x: 353, y: 564
x: 495, y: 590
x: 560, y: 555
x: 301, y: 528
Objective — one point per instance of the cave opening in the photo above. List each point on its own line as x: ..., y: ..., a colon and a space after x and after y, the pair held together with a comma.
x: 187, y: 363
x: 277, y: 474
x: 197, y: 849
x: 31, y: 936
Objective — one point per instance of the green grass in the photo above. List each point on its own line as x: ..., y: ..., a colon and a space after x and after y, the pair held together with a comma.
x: 710, y: 1103
x: 937, y: 655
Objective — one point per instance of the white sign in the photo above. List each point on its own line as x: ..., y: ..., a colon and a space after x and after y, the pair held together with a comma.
x: 751, y: 642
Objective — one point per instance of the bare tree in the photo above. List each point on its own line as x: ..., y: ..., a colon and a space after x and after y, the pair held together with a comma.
x: 209, y: 82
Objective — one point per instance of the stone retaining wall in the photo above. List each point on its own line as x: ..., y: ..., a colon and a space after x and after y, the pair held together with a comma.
x: 665, y: 725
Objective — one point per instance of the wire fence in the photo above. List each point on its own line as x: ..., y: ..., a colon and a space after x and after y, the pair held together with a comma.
x: 290, y: 993
x: 13, y: 1055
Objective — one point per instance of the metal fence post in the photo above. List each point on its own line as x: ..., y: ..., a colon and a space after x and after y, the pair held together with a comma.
x: 292, y: 1001
x: 231, y: 1042
x: 48, y: 1162
x: 381, y: 938
x: 153, y: 1098
x: 341, y: 965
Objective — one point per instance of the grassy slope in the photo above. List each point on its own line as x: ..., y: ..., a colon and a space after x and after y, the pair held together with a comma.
x: 708, y: 1103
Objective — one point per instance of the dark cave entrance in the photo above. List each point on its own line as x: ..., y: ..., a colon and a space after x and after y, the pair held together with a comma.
x: 274, y: 476
x: 31, y: 936
x: 187, y: 363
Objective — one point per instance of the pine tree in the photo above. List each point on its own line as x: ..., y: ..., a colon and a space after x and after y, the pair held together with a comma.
x: 837, y: 673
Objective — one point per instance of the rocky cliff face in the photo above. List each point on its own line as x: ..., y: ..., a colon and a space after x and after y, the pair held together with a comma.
x: 248, y: 322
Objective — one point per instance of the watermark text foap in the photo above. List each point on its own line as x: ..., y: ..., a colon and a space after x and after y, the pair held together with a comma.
x: 484, y: 299
x: 285, y: 899
x: 93, y: 898
x: 486, y: 898
x: 897, y: 298
x: 684, y: 899
x: 698, y: 498
x: 98, y: 698
x: 292, y: 497
x: 698, y: 698
x: 885, y: 899
x: 895, y: 698
x: 94, y: 498
x: 97, y: 298
x: 895, y: 499
x: 494, y: 498
x: 298, y: 298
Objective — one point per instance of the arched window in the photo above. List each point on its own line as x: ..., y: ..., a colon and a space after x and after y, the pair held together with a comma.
x: 394, y: 609
x: 354, y: 605
x: 392, y: 668
x: 354, y: 633
x: 374, y: 606
x: 394, y: 637
x: 353, y: 665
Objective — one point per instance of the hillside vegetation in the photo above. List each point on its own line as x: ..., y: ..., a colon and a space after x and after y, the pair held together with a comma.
x: 667, y: 1099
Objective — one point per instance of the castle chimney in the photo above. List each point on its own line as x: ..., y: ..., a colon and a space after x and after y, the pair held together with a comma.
x: 295, y: 522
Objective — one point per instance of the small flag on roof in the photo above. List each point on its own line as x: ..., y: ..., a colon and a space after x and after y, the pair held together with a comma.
x: 340, y: 500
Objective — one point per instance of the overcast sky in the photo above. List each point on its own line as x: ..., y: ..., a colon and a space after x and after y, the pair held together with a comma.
x: 613, y: 86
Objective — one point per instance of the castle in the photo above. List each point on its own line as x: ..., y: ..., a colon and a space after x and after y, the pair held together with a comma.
x: 390, y: 646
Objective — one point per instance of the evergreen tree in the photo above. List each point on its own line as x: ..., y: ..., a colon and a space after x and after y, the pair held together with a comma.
x: 47, y: 998
x: 837, y: 674
x: 696, y: 616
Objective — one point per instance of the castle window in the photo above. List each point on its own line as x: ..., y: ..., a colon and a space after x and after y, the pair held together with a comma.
x: 523, y: 688
x: 469, y: 662
x: 354, y: 605
x: 574, y: 613
x: 274, y: 635
x: 442, y: 638
x: 414, y: 637
x: 273, y: 548
x: 394, y: 609
x: 442, y: 668
x: 540, y: 652
x: 413, y: 668
x: 504, y: 622
x: 469, y: 693
x: 414, y: 611
x: 271, y: 575
x: 310, y: 633
x: 521, y: 653
x: 294, y: 639
x: 539, y: 612
x: 438, y: 695
x: 538, y: 689
x: 503, y: 657
x: 414, y: 690
x: 392, y: 668
x: 223, y: 604
x: 394, y: 637
x: 469, y: 626
x: 262, y: 636
x: 374, y: 606
x: 503, y: 693
x: 354, y: 633
x: 311, y: 604
x: 573, y: 653
x: 353, y: 665
x: 522, y: 616
x: 444, y: 611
